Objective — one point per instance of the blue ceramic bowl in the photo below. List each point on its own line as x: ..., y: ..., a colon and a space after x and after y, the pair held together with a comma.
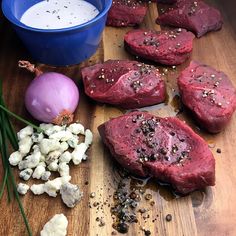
x: 59, y: 47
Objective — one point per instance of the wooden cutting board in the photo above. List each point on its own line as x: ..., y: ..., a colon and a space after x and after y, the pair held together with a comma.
x: 208, y: 212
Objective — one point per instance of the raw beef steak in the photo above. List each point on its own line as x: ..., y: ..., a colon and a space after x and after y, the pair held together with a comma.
x: 163, y: 148
x: 209, y: 94
x: 171, y: 47
x: 128, y: 84
x: 167, y: 1
x: 126, y: 13
x: 194, y: 15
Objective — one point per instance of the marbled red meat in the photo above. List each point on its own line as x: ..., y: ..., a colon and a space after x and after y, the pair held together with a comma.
x: 126, y: 13
x: 164, y: 148
x: 128, y: 84
x: 170, y: 47
x: 209, y: 94
x: 194, y: 15
x: 167, y: 1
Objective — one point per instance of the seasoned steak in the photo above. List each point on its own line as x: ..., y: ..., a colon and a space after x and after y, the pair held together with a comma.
x: 194, y: 15
x: 171, y: 47
x: 163, y: 148
x: 209, y: 94
x: 126, y: 13
x: 167, y: 1
x: 128, y: 84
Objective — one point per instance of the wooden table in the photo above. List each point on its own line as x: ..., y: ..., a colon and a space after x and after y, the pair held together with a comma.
x: 208, y: 212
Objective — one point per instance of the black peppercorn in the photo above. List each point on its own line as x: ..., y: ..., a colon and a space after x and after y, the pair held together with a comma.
x: 218, y: 150
x: 122, y: 228
x: 168, y: 217
x: 147, y: 232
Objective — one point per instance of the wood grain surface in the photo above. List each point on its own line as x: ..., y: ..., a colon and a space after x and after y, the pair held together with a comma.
x: 208, y: 212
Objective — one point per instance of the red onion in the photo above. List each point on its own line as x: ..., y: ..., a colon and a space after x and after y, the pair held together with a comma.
x: 51, y: 97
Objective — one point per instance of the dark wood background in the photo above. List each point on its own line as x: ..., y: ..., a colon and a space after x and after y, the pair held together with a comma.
x: 208, y: 212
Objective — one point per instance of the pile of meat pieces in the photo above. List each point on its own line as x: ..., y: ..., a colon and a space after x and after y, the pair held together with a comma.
x: 164, y: 148
x: 206, y: 92
x: 193, y: 15
x: 167, y: 47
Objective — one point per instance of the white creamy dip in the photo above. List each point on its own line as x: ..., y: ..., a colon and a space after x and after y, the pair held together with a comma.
x: 59, y: 14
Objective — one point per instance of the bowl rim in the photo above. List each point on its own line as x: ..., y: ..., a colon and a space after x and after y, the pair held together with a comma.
x: 8, y: 14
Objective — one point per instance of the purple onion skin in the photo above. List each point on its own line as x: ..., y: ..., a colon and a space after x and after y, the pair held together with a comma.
x: 49, y: 94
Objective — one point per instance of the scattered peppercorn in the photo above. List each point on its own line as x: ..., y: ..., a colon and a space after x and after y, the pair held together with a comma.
x: 147, y: 232
x: 152, y: 203
x: 122, y: 228
x: 168, y: 217
x: 142, y: 210
x: 148, y: 196
x: 102, y: 223
x: 218, y: 150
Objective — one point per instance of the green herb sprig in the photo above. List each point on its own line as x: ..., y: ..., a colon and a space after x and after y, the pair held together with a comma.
x: 20, y: 119
x: 8, y: 136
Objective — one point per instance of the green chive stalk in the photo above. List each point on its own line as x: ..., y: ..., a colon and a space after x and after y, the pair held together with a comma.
x: 7, y: 134
x: 20, y: 118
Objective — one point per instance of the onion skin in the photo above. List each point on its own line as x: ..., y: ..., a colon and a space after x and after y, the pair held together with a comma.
x: 52, y: 98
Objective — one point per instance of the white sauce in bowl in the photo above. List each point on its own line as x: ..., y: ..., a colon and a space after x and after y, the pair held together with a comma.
x: 59, y: 14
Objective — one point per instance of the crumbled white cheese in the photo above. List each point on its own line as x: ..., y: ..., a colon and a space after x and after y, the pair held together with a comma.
x: 53, y: 166
x: 73, y: 142
x: 36, y: 148
x: 15, y: 158
x: 37, y: 137
x: 54, y: 129
x: 70, y: 194
x: 85, y: 156
x: 78, y: 153
x: 26, y: 174
x: 38, y: 172
x: 42, y: 158
x: 51, y: 187
x: 51, y: 150
x: 65, y: 157
x: 48, y: 145
x: 63, y: 169
x: 76, y: 128
x: 37, y: 189
x: 25, y: 145
x: 42, y: 163
x: 57, y: 226
x: 46, y: 175
x: 52, y: 156
x: 30, y: 161
x: 88, y: 137
x: 27, y: 131
x: 22, y: 188
x: 63, y: 147
x: 45, y: 127
x: 63, y: 135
